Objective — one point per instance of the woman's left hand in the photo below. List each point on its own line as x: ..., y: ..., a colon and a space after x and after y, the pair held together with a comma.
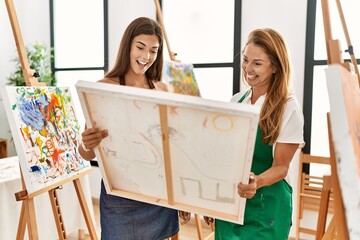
x: 248, y: 190
x: 185, y: 216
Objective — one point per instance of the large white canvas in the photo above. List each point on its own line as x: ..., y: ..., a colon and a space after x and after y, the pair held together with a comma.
x: 46, y: 135
x: 173, y: 150
x: 344, y: 96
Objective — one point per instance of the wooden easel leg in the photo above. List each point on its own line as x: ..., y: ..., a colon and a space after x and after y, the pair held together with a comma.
x: 212, y: 226
x: 57, y: 214
x: 198, y: 227
x: 85, y: 209
x: 324, y: 205
x: 175, y: 237
x: 329, y: 233
x: 22, y: 222
x: 31, y: 219
x: 27, y: 214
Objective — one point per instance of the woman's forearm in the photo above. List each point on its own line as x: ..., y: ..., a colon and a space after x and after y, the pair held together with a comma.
x: 87, y: 155
x: 272, y: 175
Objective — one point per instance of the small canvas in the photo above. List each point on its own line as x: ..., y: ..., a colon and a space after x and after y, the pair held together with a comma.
x: 172, y: 150
x: 46, y: 135
x: 180, y: 78
x: 344, y: 96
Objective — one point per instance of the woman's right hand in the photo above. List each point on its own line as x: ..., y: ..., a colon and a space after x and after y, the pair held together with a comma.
x: 92, y: 137
x: 208, y: 220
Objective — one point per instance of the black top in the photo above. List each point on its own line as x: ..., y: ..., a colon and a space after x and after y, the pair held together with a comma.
x: 151, y: 84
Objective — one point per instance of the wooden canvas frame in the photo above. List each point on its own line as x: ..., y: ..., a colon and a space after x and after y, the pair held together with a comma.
x: 45, y: 129
x: 172, y: 150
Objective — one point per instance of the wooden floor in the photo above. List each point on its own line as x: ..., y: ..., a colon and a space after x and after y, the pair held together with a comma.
x: 187, y: 231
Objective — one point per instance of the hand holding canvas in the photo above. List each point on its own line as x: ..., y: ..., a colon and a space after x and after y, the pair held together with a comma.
x: 248, y: 190
x: 92, y: 137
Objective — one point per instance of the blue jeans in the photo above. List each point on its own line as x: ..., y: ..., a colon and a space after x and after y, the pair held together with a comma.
x: 126, y: 219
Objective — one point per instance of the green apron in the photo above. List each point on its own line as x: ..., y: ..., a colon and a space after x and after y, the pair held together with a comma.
x: 268, y: 213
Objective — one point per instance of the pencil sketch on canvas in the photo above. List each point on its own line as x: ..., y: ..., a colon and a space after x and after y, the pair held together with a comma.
x: 173, y: 150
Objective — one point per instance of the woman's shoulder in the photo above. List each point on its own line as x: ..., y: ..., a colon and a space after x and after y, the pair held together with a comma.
x: 110, y: 80
x: 292, y: 101
x: 161, y: 86
x: 293, y: 107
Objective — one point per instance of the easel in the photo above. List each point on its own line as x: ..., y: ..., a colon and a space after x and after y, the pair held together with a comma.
x: 3, y: 148
x: 27, y: 215
x: 337, y: 228
x: 333, y: 46
x: 172, y: 56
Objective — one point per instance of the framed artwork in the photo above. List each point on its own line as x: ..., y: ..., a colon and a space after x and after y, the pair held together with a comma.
x: 173, y: 150
x: 46, y: 136
x: 180, y: 78
x: 344, y: 96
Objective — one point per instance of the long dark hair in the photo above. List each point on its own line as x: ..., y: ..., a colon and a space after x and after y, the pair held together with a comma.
x: 141, y: 25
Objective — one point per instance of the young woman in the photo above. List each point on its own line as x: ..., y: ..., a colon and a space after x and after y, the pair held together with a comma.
x: 139, y: 64
x: 266, y: 69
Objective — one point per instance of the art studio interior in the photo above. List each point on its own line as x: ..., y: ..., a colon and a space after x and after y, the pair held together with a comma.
x: 71, y: 45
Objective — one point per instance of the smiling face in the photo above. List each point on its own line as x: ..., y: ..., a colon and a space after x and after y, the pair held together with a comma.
x: 143, y: 53
x: 257, y: 67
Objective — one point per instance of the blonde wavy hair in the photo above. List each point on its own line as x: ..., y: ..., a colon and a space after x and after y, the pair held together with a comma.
x: 279, y: 90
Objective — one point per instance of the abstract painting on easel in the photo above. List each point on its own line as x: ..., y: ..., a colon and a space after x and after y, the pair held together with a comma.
x: 46, y: 134
x: 181, y: 78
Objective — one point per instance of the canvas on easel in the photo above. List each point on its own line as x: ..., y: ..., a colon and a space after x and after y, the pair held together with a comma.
x: 344, y: 96
x: 180, y: 78
x: 46, y: 132
x: 343, y: 130
x: 46, y: 135
x: 39, y: 126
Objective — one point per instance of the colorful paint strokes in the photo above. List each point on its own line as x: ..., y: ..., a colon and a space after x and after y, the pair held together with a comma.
x: 46, y: 134
x: 181, y: 78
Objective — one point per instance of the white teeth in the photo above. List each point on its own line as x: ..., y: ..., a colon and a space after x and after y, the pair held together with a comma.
x: 141, y: 62
x: 251, y: 77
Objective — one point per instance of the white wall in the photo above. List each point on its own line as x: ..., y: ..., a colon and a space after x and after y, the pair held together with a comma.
x: 34, y: 20
x: 121, y: 13
x: 288, y: 17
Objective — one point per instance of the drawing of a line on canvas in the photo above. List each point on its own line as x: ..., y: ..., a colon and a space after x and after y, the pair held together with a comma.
x: 172, y: 150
